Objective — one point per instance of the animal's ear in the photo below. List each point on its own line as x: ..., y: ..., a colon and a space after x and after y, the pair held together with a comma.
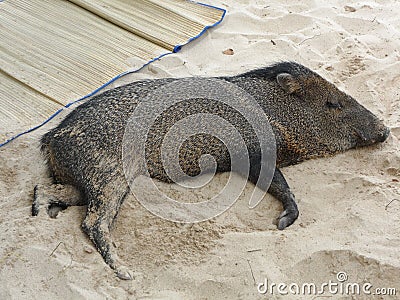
x: 288, y: 82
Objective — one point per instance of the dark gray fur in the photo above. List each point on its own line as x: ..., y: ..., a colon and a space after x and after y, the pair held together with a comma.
x: 310, y: 118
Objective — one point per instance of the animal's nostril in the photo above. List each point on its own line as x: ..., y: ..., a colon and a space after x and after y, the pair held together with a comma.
x: 385, y: 134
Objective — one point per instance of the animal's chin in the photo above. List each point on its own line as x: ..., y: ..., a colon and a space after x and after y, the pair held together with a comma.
x: 360, y: 143
x: 335, y: 148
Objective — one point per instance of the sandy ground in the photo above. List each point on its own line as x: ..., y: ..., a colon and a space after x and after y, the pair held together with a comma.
x: 349, y: 204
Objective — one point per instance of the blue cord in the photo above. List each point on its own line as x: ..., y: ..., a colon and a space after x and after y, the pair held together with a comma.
x: 176, y: 49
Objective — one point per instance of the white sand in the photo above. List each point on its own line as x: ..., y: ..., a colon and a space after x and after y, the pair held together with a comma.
x: 344, y: 224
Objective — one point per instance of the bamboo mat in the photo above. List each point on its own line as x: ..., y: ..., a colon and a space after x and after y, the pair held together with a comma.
x: 54, y: 52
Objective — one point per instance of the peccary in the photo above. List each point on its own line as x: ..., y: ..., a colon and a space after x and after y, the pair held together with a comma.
x: 310, y: 118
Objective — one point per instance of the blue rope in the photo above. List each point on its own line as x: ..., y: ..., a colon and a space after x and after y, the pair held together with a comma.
x: 176, y: 49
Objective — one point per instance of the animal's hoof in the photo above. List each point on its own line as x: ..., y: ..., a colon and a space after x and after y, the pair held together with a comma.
x: 124, y: 273
x: 287, y: 218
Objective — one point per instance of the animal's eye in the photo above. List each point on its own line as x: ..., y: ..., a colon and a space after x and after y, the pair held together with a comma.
x: 334, y: 105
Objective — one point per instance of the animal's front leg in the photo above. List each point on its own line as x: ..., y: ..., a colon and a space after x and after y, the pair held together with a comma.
x: 280, y: 189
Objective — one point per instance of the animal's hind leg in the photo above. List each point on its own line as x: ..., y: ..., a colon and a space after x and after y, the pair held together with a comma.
x: 55, y: 198
x: 103, y: 208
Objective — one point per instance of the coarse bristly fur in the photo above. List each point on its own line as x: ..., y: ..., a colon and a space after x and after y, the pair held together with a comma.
x: 309, y: 116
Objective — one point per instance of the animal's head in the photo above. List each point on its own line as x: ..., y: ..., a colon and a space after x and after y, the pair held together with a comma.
x: 338, y: 120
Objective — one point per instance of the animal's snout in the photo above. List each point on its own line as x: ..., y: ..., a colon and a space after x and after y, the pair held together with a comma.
x: 365, y: 139
x: 381, y: 136
x: 384, y: 135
